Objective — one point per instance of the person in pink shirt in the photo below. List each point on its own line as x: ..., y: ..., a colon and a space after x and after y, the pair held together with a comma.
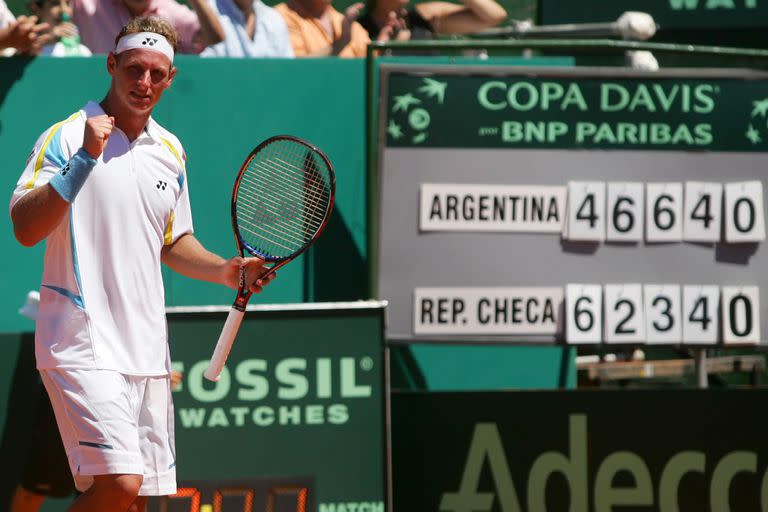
x: 100, y: 20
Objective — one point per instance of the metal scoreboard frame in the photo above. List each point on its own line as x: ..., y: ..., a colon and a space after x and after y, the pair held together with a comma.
x: 541, y: 141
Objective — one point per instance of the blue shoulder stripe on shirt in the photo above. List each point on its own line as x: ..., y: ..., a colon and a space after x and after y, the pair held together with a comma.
x: 75, y: 264
x: 76, y: 299
x: 54, y: 153
x: 96, y: 445
x: 53, y: 132
x: 180, y: 159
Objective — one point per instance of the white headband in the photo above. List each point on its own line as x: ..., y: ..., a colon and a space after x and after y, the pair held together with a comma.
x: 145, y: 41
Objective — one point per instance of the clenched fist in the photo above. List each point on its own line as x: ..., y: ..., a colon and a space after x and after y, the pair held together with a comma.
x: 96, y: 134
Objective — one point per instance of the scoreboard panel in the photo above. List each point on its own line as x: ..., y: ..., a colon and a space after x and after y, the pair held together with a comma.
x: 501, y: 189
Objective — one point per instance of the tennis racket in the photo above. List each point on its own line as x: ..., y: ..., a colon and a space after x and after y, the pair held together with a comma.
x: 281, y: 202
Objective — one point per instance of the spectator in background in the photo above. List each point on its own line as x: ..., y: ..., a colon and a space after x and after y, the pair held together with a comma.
x: 66, y: 37
x: 100, y: 20
x: 24, y: 34
x: 427, y: 19
x: 251, y: 28
x: 317, y: 29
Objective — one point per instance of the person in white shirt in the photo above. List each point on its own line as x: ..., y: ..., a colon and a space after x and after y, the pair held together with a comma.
x: 107, y: 190
x: 252, y: 29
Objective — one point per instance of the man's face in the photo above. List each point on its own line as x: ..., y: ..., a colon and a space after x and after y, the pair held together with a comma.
x: 139, y: 78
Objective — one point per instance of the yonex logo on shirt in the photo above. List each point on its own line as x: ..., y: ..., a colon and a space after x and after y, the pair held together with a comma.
x: 161, y: 184
x: 149, y: 41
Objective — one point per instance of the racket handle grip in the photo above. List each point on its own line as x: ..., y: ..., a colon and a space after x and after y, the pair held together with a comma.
x: 224, y: 345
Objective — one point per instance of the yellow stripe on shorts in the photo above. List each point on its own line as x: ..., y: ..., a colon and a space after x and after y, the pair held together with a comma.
x: 41, y: 157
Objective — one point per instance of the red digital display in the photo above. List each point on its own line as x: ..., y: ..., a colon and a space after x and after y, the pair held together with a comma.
x: 188, y: 492
x: 224, y: 499
x: 246, y: 493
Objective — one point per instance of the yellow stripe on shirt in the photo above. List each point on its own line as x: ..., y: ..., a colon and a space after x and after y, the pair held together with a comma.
x: 168, y: 238
x: 41, y: 157
x: 169, y: 228
x: 173, y: 150
x: 182, y: 163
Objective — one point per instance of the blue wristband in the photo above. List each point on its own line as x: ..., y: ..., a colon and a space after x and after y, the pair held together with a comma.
x: 70, y: 179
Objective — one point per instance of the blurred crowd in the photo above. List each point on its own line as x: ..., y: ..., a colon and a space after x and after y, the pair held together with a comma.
x: 241, y: 28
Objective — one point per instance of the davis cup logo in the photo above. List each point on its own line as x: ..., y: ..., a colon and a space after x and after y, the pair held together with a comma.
x: 758, y: 122
x: 409, y: 115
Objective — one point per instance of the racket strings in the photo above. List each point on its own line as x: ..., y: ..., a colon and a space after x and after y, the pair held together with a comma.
x: 318, y: 204
x: 304, y: 174
x: 308, y: 182
x: 306, y: 178
x: 278, y: 228
x: 319, y: 198
x: 283, y: 198
x: 265, y: 227
x: 319, y: 201
x: 289, y: 248
x: 258, y: 214
x: 308, y: 166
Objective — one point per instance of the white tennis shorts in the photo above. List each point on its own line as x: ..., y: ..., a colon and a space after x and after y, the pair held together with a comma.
x: 113, y: 423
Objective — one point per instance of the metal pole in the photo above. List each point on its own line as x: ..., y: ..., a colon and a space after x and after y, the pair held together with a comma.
x: 567, y: 44
x: 701, y: 368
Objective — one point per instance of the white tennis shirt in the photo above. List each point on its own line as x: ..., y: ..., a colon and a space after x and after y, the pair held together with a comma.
x: 102, y: 301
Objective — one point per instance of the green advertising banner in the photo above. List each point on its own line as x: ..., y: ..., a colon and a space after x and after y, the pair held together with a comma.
x: 296, y: 421
x: 573, y: 109
x: 602, y: 451
x: 669, y: 14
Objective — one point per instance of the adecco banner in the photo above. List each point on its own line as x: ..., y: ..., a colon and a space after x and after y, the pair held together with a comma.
x: 669, y: 14
x: 579, y: 451
x: 716, y: 110
x: 297, y: 416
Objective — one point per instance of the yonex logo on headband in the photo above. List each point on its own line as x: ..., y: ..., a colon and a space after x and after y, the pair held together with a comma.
x: 145, y: 41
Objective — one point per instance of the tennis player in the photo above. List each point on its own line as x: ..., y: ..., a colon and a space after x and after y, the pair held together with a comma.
x: 107, y: 189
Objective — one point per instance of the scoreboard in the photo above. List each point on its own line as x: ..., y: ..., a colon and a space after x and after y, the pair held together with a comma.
x: 586, y: 205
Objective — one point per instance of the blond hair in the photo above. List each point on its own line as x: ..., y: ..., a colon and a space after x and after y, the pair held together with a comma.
x: 154, y: 24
